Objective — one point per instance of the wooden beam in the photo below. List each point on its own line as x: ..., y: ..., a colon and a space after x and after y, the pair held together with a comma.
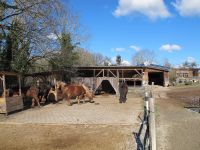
x: 138, y: 72
x: 133, y: 79
x: 112, y: 73
x: 99, y: 73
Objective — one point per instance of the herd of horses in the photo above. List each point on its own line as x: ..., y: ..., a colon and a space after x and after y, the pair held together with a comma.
x: 39, y: 94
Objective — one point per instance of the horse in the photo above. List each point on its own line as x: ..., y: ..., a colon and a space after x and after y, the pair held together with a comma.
x: 44, y: 92
x: 78, y: 91
x: 33, y: 93
x: 123, y: 90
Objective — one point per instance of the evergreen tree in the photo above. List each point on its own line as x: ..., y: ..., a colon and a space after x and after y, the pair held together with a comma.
x: 118, y: 60
x: 67, y: 56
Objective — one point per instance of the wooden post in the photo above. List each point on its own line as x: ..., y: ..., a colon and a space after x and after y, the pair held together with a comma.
x: 56, y: 96
x: 94, y: 73
x: 152, y: 124
x: 146, y: 98
x: 152, y: 86
x: 199, y: 105
x: 20, y: 90
x: 4, y: 86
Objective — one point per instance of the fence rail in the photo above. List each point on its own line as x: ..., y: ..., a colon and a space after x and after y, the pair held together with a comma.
x: 146, y: 136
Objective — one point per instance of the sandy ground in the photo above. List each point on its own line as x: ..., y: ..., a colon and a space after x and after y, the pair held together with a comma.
x: 96, y: 131
x: 70, y: 137
x: 177, y: 127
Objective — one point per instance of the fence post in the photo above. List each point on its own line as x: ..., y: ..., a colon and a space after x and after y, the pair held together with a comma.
x: 146, y: 142
x: 146, y: 99
x: 152, y: 124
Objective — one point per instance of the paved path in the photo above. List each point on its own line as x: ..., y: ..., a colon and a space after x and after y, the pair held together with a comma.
x: 105, y: 110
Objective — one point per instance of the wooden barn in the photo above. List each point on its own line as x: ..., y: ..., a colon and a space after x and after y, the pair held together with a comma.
x: 108, y: 77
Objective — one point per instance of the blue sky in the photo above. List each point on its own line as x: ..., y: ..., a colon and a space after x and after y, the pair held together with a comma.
x: 170, y: 28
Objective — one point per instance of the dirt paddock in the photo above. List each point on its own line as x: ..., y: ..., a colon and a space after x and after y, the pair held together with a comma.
x: 177, y: 127
x: 105, y: 124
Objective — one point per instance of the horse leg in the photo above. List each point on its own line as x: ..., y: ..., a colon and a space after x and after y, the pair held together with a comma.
x: 33, y: 103
x: 83, y: 97
x: 37, y: 100
x: 68, y: 100
x: 78, y: 99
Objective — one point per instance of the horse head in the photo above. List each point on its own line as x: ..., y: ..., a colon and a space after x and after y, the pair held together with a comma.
x: 60, y: 85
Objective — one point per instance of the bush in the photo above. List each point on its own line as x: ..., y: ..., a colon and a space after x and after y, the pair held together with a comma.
x: 188, y: 82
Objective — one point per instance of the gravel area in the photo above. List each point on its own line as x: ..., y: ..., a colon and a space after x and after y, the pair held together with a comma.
x: 105, y: 124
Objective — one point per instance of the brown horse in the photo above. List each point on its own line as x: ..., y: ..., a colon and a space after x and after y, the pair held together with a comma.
x: 33, y: 93
x: 123, y: 90
x: 69, y: 91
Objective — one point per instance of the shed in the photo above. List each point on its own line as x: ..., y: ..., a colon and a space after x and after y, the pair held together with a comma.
x: 10, y: 92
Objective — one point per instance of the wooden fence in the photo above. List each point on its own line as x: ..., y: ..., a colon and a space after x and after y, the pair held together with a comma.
x: 146, y: 137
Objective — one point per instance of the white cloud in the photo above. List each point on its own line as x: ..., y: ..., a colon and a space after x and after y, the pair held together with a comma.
x: 136, y: 48
x: 118, y: 49
x: 113, y: 59
x: 150, y: 8
x: 126, y: 63
x: 190, y: 59
x: 170, y: 47
x: 52, y: 36
x: 187, y: 7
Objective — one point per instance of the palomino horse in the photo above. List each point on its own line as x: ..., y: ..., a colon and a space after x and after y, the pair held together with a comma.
x: 78, y: 91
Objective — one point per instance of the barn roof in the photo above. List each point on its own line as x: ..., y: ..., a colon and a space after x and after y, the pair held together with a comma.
x: 156, y: 67
x: 8, y: 73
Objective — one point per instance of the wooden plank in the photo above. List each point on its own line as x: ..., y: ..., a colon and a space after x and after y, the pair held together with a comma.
x: 112, y: 73
x: 2, y: 105
x: 99, y: 73
x: 14, y: 103
x: 138, y: 72
x: 152, y: 124
x: 14, y: 108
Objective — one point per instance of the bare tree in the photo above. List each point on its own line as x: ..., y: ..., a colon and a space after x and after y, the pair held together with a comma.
x: 188, y: 64
x: 167, y: 63
x: 101, y: 60
x: 172, y: 76
x: 30, y: 23
x: 85, y: 57
x: 144, y: 56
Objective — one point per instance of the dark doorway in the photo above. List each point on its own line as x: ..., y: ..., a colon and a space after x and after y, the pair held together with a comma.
x: 157, y: 78
x: 105, y: 87
x: 134, y: 83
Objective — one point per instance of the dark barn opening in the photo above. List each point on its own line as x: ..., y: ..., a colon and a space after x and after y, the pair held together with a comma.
x: 105, y: 87
x: 156, y: 77
x: 134, y: 83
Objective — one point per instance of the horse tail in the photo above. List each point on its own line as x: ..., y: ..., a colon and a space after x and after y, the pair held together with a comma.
x: 87, y: 91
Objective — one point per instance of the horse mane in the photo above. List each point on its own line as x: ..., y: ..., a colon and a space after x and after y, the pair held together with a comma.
x: 85, y: 87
